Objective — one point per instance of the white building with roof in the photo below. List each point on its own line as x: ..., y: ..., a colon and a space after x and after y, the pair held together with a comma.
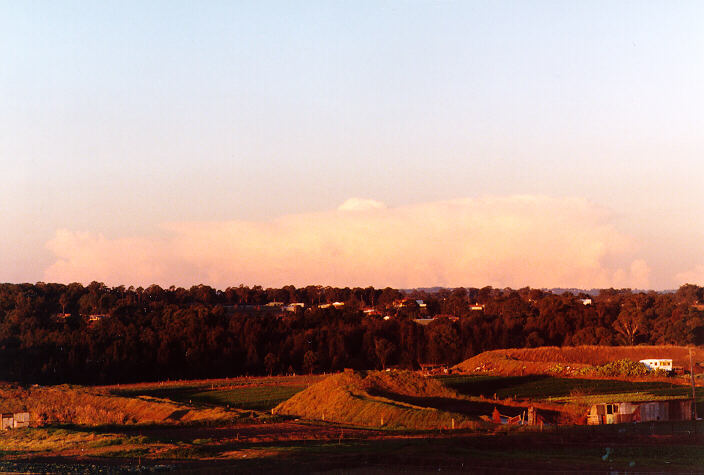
x: 664, y: 364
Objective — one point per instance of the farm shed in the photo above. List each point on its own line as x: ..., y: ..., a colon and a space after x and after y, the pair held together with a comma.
x: 6, y: 421
x: 645, y: 411
x: 14, y: 421
x: 20, y: 419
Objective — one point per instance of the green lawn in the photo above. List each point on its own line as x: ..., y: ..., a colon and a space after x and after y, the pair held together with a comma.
x: 260, y: 398
x: 253, y: 397
x: 541, y: 387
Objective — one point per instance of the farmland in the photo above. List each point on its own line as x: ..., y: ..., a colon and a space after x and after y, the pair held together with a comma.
x: 228, y: 424
x: 241, y: 393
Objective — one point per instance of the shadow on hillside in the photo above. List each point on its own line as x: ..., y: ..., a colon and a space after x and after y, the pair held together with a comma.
x: 541, y: 386
x: 489, y: 385
x: 460, y: 406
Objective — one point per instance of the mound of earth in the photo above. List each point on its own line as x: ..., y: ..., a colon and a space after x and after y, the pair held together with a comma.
x: 543, y: 359
x: 388, y: 399
x: 76, y: 405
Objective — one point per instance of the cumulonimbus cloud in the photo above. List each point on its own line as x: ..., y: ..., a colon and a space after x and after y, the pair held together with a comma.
x: 692, y: 276
x: 502, y: 241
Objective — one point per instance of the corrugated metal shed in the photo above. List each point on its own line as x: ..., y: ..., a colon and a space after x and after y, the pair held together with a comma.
x: 643, y: 411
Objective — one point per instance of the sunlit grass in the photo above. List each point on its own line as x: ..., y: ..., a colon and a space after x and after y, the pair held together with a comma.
x: 58, y: 439
x: 255, y: 397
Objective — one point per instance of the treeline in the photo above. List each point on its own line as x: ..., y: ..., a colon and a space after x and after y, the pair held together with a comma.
x: 136, y: 334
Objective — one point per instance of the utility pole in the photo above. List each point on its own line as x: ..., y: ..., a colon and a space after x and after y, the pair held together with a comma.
x: 694, y: 400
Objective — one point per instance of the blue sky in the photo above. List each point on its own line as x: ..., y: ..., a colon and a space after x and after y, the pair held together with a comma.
x: 117, y: 117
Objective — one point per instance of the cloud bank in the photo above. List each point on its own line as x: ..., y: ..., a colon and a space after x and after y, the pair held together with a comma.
x: 501, y: 241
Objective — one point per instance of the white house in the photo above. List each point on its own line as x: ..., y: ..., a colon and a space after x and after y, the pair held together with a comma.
x: 292, y: 307
x: 586, y: 301
x: 663, y: 364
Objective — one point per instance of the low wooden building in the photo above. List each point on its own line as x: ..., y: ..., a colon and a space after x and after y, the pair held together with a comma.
x: 642, y: 411
x: 20, y: 419
x: 6, y: 421
x: 14, y: 421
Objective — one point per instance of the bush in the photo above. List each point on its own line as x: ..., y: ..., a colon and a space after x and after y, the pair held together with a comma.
x: 624, y: 367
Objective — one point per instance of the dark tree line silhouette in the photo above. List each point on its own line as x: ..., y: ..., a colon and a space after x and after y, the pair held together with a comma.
x: 137, y: 334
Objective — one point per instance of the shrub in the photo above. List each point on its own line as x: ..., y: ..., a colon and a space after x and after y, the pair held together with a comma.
x: 623, y: 367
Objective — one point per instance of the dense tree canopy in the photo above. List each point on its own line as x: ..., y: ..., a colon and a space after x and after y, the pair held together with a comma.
x: 47, y: 334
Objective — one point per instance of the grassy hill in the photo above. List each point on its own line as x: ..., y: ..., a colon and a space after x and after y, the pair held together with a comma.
x: 545, y: 359
x: 86, y: 406
x: 392, y: 400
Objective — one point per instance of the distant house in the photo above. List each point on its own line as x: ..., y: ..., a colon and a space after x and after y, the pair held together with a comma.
x: 423, y: 321
x: 662, y: 364
x: 449, y: 317
x: 586, y: 301
x: 338, y: 304
x: 274, y: 304
x: 646, y: 411
x: 95, y: 317
x: 371, y: 311
x: 407, y: 302
x: 477, y: 307
x: 292, y: 307
x: 426, y: 321
x: 421, y: 304
x: 429, y: 369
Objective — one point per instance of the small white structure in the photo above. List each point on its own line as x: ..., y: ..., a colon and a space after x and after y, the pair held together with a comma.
x: 6, y: 421
x: 21, y: 419
x: 663, y: 364
x: 586, y: 301
x: 292, y: 307
x: 14, y: 421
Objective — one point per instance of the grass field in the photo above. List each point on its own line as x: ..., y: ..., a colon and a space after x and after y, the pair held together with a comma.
x: 357, y: 422
x: 543, y: 387
x: 260, y: 394
x: 273, y: 448
x: 267, y: 443
x: 254, y: 397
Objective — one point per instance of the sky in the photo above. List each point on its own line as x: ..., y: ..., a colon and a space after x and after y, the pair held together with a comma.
x: 352, y: 143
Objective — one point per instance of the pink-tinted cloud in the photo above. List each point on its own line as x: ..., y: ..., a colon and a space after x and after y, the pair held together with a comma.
x: 692, y: 276
x: 502, y: 241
